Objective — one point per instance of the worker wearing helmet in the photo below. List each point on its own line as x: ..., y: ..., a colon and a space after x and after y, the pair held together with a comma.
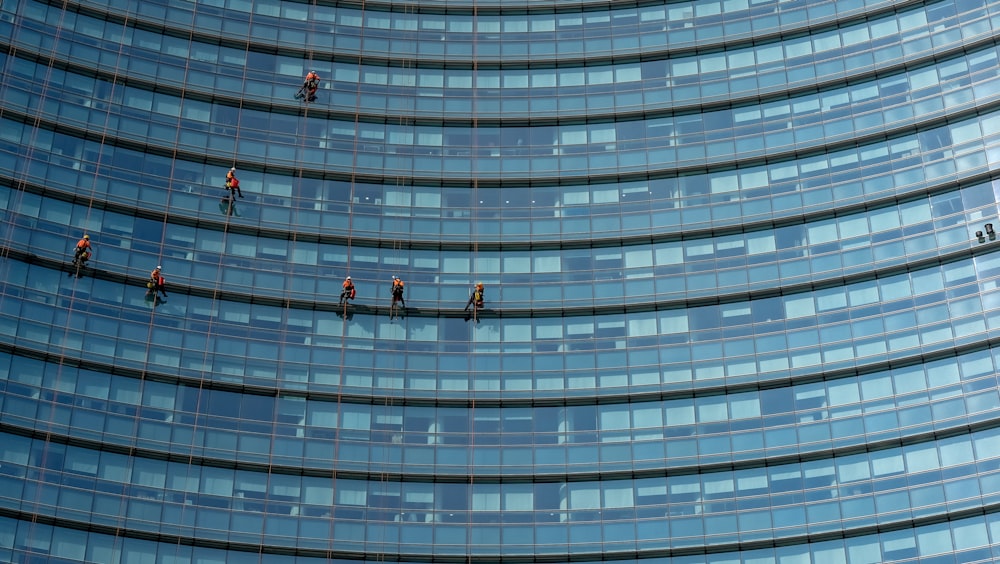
x: 82, y: 253
x: 233, y: 184
x: 477, y: 298
x: 157, y: 283
x: 348, y: 292
x: 309, y: 87
x: 397, y: 291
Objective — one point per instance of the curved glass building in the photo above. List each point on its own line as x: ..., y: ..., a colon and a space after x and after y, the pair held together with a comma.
x: 742, y: 281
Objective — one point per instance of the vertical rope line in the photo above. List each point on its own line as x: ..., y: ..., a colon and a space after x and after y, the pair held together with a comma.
x: 475, y: 248
x: 475, y: 159
x: 301, y: 163
x: 230, y: 210
x: 218, y: 284
x: 409, y: 10
x: 344, y: 336
x: 403, y: 122
x: 354, y: 165
x: 97, y: 167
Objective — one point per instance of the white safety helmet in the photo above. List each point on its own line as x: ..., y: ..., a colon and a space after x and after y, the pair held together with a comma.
x: 158, y: 267
x: 348, y: 277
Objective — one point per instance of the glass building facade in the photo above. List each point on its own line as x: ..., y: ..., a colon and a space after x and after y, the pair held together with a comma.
x: 737, y: 309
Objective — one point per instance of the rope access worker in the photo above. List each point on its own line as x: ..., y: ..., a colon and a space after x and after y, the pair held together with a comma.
x: 309, y: 87
x: 477, y: 298
x: 397, y: 291
x: 233, y: 183
x: 157, y: 283
x: 348, y: 293
x: 82, y: 254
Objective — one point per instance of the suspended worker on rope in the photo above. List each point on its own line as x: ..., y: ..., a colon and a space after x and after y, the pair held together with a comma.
x: 397, y: 291
x: 348, y: 293
x: 309, y: 87
x: 233, y: 184
x: 82, y: 254
x: 157, y: 283
x: 477, y: 298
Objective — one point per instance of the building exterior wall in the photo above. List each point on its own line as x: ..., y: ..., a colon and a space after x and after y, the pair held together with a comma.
x: 736, y: 306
